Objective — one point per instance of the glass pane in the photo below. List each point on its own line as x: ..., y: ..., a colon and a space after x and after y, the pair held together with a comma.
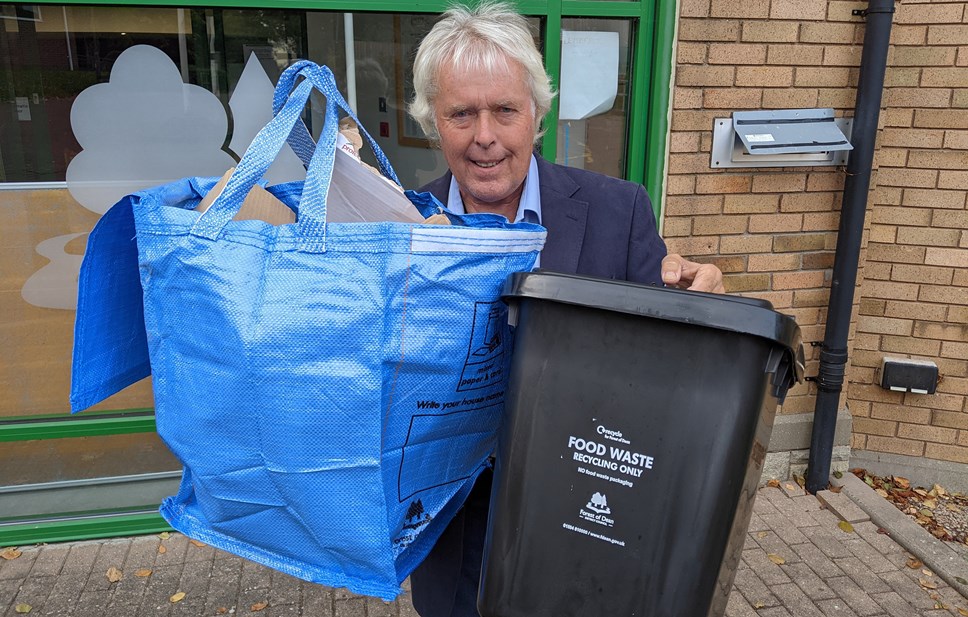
x: 69, y: 476
x: 112, y: 99
x: 594, y: 94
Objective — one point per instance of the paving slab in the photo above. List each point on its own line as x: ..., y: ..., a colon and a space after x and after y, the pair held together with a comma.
x: 797, y: 562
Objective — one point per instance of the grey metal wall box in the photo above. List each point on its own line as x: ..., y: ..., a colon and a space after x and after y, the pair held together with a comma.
x: 904, y: 374
x: 780, y: 138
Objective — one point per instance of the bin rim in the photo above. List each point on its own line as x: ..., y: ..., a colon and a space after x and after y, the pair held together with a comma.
x: 737, y: 314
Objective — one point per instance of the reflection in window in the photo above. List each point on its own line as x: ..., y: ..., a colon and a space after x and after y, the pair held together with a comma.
x: 594, y: 94
x: 49, y: 54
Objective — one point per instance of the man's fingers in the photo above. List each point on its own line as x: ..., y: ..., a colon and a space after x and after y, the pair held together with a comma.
x: 684, y: 274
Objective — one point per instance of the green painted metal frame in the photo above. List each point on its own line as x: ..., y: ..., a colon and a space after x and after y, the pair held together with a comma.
x: 89, y: 425
x: 653, y: 30
x: 88, y: 528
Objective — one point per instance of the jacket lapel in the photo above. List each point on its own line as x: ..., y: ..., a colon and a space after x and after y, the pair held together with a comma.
x: 563, y: 216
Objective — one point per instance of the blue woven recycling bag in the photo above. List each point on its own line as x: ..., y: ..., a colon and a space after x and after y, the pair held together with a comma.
x: 332, y: 389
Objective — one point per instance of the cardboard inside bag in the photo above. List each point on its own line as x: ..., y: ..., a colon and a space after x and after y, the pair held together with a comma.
x: 356, y: 195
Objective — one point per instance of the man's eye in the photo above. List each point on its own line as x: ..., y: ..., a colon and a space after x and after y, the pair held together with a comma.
x: 460, y: 115
x: 506, y: 110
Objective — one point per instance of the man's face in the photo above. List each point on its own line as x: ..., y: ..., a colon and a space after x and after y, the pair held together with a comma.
x: 486, y: 125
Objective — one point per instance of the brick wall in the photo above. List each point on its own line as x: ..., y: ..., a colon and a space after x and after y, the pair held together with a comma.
x: 915, y: 294
x: 773, y: 231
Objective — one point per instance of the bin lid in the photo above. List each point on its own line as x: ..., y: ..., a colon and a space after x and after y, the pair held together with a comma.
x: 732, y: 313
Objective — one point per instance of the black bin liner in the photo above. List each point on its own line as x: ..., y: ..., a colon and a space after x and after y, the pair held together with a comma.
x: 637, y: 423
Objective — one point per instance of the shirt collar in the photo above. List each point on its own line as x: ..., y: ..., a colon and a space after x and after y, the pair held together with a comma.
x: 529, y: 208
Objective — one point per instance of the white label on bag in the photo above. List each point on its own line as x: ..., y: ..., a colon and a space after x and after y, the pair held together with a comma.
x: 437, y: 239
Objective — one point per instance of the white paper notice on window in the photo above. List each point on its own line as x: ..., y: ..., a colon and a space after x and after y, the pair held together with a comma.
x: 589, y: 73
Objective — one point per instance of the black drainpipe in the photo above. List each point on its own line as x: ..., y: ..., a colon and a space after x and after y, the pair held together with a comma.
x: 833, y: 354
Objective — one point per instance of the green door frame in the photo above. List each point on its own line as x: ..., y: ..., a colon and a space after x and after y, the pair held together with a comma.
x: 653, y: 31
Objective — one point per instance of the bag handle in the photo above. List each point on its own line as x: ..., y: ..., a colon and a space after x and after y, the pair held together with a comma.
x: 299, y: 139
x: 311, y: 222
x: 255, y: 162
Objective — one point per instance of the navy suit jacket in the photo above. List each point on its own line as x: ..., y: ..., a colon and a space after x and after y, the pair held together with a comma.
x: 597, y: 226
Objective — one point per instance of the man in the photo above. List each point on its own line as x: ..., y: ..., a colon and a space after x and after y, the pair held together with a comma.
x: 481, y: 92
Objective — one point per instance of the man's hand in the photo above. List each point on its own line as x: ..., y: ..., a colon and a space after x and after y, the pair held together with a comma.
x: 677, y: 271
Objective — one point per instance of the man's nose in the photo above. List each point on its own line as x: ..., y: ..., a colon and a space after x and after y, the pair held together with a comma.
x: 484, y: 131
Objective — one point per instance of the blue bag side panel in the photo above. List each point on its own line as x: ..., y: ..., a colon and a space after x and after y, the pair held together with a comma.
x: 110, y: 344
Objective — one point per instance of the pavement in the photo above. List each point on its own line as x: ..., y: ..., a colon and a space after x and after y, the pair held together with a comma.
x: 840, y: 553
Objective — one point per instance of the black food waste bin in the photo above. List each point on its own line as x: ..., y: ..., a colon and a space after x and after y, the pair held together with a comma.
x: 637, y: 422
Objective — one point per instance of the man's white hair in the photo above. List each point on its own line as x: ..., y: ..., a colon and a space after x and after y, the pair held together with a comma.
x: 488, y: 38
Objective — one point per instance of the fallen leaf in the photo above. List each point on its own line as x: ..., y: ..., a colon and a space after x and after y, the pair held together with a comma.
x: 838, y: 474
x: 927, y: 572
x: 961, y: 580
x: 162, y: 549
x: 903, y: 483
x: 776, y: 559
x: 927, y: 584
x: 930, y: 503
x: 10, y: 553
x: 938, y: 604
x: 790, y: 487
x: 962, y: 612
x: 881, y: 492
x: 758, y: 605
x: 221, y: 610
x: 258, y: 606
x: 914, y: 563
x: 178, y: 597
x: 938, y: 490
x: 836, y: 489
x: 774, y: 483
x: 926, y: 513
x: 114, y: 575
x: 164, y: 535
x: 921, y: 492
x: 800, y: 480
x: 143, y: 573
x: 951, y: 507
x: 762, y: 534
x: 845, y: 526
x: 23, y: 609
x: 197, y: 543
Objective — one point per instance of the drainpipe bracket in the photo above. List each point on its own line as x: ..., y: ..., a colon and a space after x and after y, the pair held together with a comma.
x: 866, y: 12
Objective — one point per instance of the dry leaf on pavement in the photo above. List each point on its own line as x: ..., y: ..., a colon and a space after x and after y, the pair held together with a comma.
x: 164, y: 535
x: 258, y: 606
x: 845, y: 526
x: 776, y: 559
x: 114, y: 575
x: 23, y: 609
x: 197, y: 543
x: 774, y: 483
x: 221, y: 610
x: 927, y: 584
x: 178, y: 597
x: 962, y: 612
x: 914, y: 563
x: 143, y: 573
x: 10, y: 553
x: 162, y: 549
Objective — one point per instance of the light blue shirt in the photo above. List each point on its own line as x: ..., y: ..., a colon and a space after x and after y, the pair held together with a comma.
x: 529, y: 208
